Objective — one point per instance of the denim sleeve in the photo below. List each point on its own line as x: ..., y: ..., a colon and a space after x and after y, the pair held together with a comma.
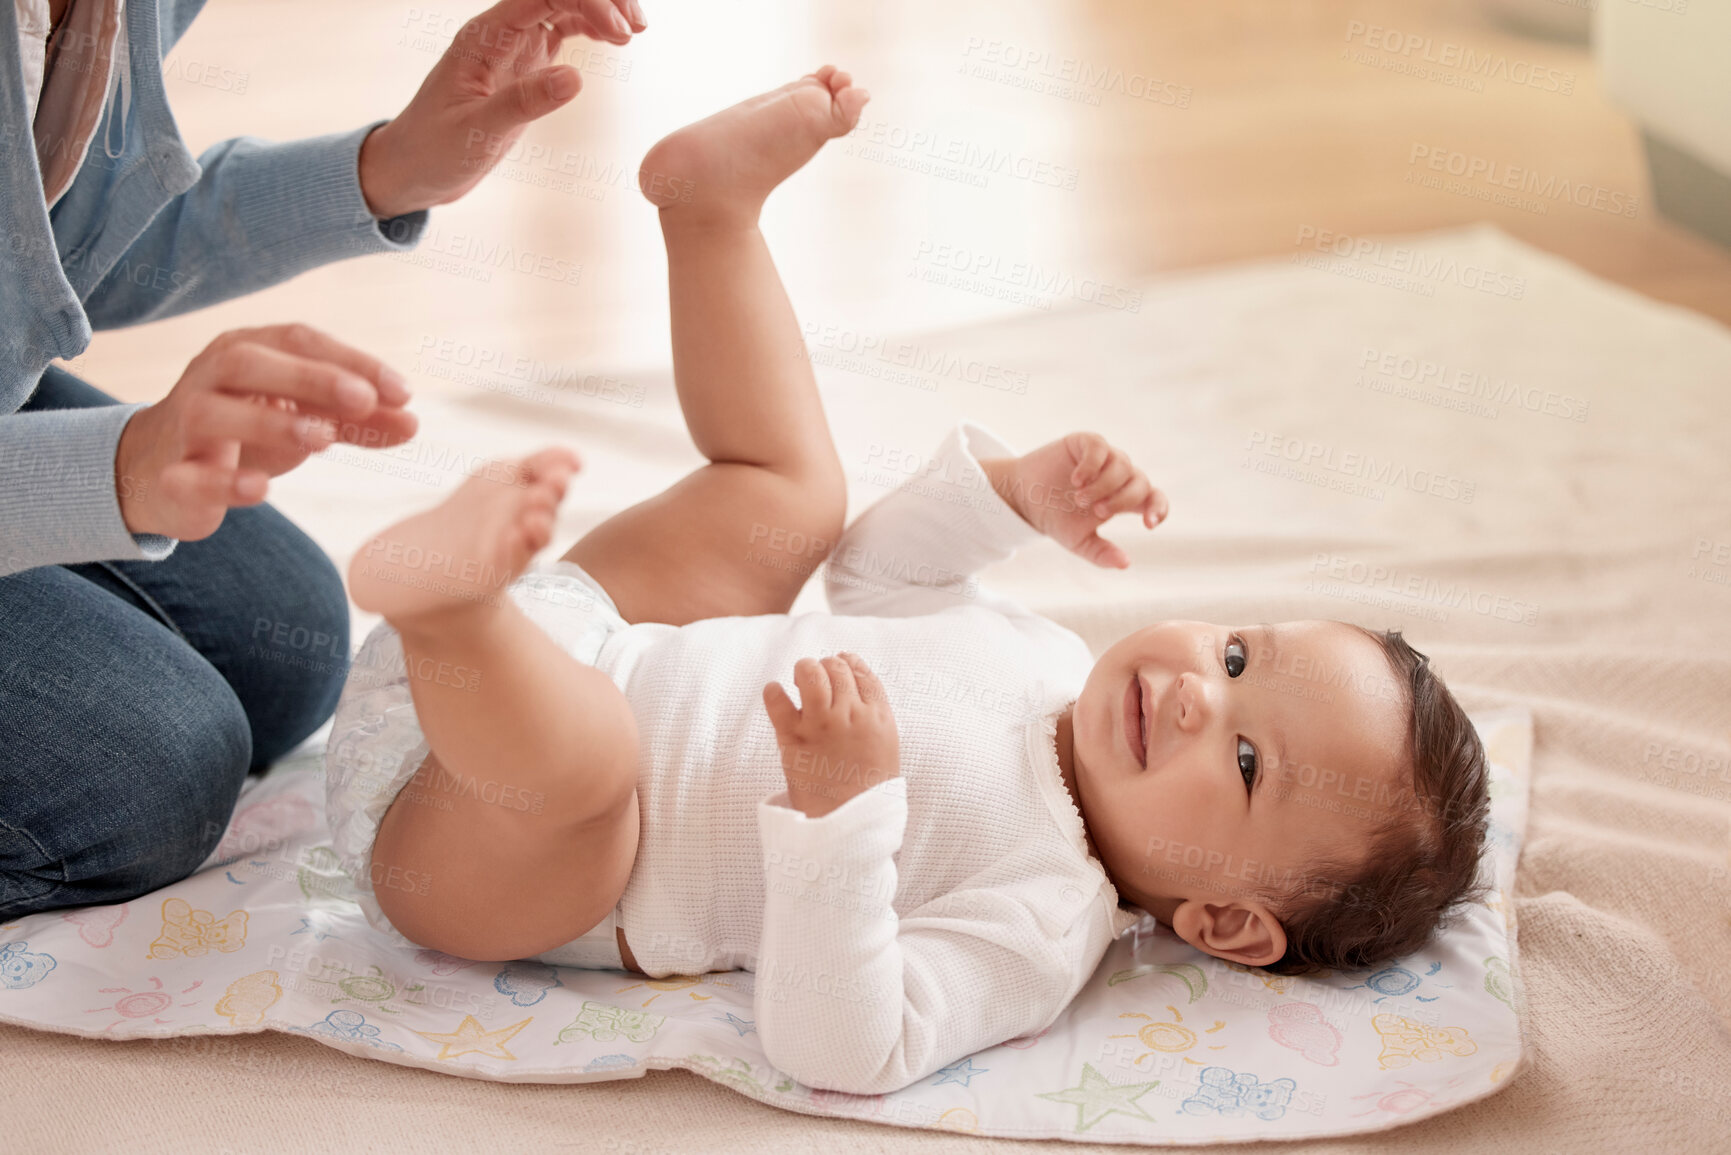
x: 58, y: 501
x: 260, y: 213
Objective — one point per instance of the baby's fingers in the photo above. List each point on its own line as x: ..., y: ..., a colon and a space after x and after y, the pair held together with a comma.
x: 842, y: 686
x: 871, y: 690
x: 783, y: 714
x: 1102, y: 552
x: 1089, y: 451
x: 1133, y: 497
x: 1095, y: 498
x: 1155, y: 510
x: 813, y: 682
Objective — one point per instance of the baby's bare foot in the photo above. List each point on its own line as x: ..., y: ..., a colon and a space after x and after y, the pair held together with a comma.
x: 459, y: 556
x: 722, y: 167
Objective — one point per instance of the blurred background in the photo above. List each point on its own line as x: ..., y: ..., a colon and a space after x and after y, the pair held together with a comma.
x: 1096, y: 139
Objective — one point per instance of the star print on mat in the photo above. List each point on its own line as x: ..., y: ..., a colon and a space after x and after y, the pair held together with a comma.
x: 743, y: 1026
x: 307, y: 926
x: 473, y: 1038
x: 961, y: 1072
x: 1095, y: 1098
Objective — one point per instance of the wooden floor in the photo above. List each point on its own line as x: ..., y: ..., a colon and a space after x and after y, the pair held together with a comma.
x: 1101, y: 139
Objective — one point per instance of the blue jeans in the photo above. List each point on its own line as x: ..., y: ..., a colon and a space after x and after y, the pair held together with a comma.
x: 136, y: 696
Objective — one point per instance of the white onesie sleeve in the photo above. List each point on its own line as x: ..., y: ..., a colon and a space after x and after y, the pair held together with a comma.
x: 851, y: 998
x: 916, y: 551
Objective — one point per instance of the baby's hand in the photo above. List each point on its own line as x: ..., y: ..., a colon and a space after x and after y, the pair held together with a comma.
x: 842, y: 742
x: 1068, y: 489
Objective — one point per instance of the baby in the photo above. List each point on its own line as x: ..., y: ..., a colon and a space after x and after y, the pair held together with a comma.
x: 930, y: 851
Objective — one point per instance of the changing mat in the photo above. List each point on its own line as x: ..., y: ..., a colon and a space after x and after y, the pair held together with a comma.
x: 1164, y: 1045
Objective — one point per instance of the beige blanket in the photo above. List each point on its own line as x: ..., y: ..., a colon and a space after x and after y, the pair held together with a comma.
x: 1319, y: 425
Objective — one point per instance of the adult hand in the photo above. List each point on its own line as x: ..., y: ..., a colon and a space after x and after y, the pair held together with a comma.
x: 1071, y: 487
x: 492, y: 81
x: 254, y: 404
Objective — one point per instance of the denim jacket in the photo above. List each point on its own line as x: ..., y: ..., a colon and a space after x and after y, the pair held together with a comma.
x: 148, y: 234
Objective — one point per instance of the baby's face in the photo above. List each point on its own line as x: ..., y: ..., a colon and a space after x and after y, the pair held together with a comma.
x: 1208, y: 757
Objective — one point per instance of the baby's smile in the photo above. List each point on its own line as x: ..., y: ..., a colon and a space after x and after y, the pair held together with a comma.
x: 1138, y: 709
x: 1191, y: 734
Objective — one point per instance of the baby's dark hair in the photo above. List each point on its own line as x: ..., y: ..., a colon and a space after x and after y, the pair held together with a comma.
x: 1420, y: 863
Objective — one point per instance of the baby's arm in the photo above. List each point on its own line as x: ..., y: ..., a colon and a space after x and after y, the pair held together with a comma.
x: 973, y: 502
x: 849, y: 996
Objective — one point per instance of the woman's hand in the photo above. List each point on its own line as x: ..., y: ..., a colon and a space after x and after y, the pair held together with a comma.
x: 494, y: 79
x: 841, y: 740
x: 255, y: 403
x: 1068, y: 489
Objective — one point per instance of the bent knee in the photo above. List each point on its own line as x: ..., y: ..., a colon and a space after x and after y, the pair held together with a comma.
x: 139, y: 830
x: 817, y: 505
x: 512, y: 899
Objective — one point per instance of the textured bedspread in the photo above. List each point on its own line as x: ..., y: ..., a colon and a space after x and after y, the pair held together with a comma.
x: 1525, y: 468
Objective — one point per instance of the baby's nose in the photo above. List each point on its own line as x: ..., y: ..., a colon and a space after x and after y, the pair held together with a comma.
x: 1191, y: 691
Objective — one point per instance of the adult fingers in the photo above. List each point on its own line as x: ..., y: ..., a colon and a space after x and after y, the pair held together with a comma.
x: 607, y: 19
x: 305, y: 341
x: 380, y: 429
x: 813, y: 682
x: 522, y: 15
x: 201, y: 490
x: 246, y: 367
x: 217, y: 417
x: 783, y: 714
x: 528, y: 99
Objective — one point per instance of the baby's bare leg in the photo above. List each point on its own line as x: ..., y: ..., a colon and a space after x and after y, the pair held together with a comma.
x: 746, y: 387
x: 524, y: 818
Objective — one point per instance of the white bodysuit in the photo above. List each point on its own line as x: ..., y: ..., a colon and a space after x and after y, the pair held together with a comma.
x: 929, y: 917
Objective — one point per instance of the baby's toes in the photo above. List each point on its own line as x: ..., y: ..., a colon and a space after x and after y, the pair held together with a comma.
x: 535, y: 525
x: 552, y: 464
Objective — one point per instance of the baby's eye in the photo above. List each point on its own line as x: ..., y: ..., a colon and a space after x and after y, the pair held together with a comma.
x: 1234, y: 656
x: 1247, y: 763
